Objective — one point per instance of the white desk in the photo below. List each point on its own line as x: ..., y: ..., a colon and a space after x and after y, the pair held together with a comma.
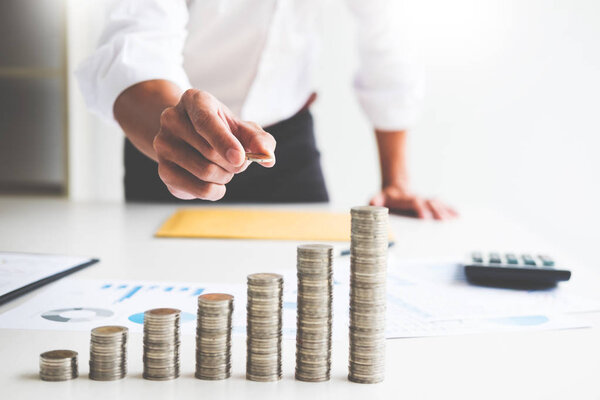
x: 559, y: 364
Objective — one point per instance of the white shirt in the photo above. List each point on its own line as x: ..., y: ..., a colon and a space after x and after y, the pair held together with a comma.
x: 255, y: 56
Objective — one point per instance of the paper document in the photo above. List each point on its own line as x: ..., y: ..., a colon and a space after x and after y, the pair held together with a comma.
x: 19, y: 270
x: 424, y: 299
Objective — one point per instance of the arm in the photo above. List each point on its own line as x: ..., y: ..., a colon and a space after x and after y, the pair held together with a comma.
x: 138, y: 111
x: 395, y: 189
x: 196, y: 141
x: 390, y: 90
x: 136, y: 78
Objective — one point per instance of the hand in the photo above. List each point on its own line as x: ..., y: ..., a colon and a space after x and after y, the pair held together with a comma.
x: 200, y: 146
x: 402, y: 202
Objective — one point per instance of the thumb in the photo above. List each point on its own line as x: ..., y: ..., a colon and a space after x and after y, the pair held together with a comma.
x: 255, y: 139
x: 378, y: 200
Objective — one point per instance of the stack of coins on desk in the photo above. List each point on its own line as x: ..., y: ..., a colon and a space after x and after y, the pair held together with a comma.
x: 368, y: 264
x: 108, y: 353
x: 213, y: 336
x: 161, y: 344
x: 264, y: 322
x: 58, y: 365
x: 315, y: 295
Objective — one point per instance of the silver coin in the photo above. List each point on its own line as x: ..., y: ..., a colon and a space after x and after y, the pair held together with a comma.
x: 59, y: 365
x: 314, y: 312
x: 213, y: 336
x: 161, y: 344
x: 368, y: 264
x: 264, y: 324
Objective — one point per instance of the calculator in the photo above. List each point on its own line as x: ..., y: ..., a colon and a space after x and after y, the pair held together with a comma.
x: 525, y: 271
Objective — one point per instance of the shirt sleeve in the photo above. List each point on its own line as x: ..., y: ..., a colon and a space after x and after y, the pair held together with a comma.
x: 142, y: 40
x: 389, y: 88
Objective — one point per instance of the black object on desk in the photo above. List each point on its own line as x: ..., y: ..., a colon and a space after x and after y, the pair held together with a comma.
x: 510, y: 270
x: 55, y: 274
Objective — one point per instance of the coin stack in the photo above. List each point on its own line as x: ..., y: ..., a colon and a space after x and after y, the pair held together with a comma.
x: 368, y: 262
x: 315, y: 295
x: 213, y: 336
x: 161, y: 344
x: 108, y: 353
x: 264, y: 322
x: 58, y: 365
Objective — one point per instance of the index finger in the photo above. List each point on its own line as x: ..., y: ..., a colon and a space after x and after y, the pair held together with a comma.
x: 208, y: 120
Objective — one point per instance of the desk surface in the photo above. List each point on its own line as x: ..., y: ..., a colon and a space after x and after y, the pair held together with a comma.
x: 557, y: 364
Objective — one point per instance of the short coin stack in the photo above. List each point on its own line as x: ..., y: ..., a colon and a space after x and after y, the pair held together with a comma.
x: 213, y: 336
x: 315, y: 295
x: 108, y: 353
x: 58, y: 365
x: 264, y: 322
x: 368, y: 262
x: 161, y: 344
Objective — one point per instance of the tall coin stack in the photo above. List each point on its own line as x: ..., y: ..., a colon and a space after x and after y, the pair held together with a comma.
x: 58, y: 365
x: 264, y: 323
x: 368, y: 262
x: 315, y: 295
x: 161, y: 344
x: 213, y: 336
x: 108, y: 353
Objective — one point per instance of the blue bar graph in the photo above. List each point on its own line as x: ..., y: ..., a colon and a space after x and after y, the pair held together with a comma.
x: 130, y: 293
x: 124, y: 291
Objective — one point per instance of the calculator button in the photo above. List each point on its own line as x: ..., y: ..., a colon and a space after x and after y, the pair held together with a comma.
x: 511, y: 258
x: 547, y: 261
x: 528, y: 260
x: 477, y: 257
x: 495, y: 258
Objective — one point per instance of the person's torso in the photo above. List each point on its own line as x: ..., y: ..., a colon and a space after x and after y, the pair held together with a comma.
x: 254, y: 56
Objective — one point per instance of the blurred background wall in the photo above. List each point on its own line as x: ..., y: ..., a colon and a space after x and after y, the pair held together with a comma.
x: 511, y: 117
x: 33, y: 101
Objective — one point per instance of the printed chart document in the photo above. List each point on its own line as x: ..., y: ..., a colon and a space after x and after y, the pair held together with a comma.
x: 23, y: 272
x: 424, y: 299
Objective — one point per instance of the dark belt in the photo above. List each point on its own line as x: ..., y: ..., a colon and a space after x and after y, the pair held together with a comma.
x: 296, y: 177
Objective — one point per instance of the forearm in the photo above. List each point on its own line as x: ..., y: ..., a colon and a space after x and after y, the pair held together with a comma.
x: 138, y: 111
x: 392, y: 158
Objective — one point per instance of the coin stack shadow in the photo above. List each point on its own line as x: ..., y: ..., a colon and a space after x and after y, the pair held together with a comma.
x: 264, y: 323
x: 108, y: 353
x: 58, y: 365
x: 161, y: 344
x: 313, y: 334
x: 213, y: 336
x: 368, y: 264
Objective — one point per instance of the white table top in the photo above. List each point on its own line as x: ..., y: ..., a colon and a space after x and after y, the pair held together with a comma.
x: 557, y: 364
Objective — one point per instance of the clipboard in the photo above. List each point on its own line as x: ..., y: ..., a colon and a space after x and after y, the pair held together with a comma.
x: 41, y: 275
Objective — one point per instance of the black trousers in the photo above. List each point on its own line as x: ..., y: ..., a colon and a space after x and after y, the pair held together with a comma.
x: 296, y: 176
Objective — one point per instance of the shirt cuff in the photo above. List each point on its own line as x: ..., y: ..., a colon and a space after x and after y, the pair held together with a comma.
x: 390, y: 110
x: 103, y: 77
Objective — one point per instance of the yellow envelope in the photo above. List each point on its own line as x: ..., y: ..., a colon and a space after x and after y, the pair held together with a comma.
x: 257, y: 224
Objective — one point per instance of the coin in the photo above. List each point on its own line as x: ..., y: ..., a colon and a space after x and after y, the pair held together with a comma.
x: 259, y: 158
x: 58, y: 365
x: 161, y: 344
x: 264, y: 324
x: 213, y: 336
x: 314, y: 312
x: 368, y: 264
x: 108, y: 353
